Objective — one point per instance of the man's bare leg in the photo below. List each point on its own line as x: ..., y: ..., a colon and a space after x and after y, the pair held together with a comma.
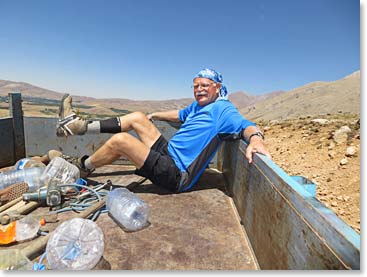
x: 122, y: 144
x: 143, y: 127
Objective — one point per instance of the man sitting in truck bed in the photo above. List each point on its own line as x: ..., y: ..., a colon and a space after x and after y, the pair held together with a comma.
x: 178, y: 163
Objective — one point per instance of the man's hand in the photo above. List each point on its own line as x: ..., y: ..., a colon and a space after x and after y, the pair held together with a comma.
x: 165, y: 116
x: 150, y: 116
x: 256, y: 145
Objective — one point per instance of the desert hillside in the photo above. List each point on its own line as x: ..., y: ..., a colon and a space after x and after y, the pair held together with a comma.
x: 316, y: 98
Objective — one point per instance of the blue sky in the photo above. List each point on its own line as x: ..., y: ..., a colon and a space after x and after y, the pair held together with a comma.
x: 152, y: 49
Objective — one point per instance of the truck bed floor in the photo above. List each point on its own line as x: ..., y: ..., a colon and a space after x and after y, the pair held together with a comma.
x: 195, y: 230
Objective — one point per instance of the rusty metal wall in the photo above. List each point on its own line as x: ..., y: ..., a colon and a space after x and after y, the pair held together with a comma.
x: 287, y: 226
x: 6, y: 142
x: 16, y: 112
x: 12, y: 146
x: 40, y: 136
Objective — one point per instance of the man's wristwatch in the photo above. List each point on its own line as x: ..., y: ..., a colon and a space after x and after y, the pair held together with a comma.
x: 259, y: 134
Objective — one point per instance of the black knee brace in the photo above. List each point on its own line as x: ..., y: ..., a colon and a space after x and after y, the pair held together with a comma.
x: 111, y: 125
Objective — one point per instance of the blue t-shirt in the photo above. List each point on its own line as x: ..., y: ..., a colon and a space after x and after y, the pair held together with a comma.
x: 198, y: 139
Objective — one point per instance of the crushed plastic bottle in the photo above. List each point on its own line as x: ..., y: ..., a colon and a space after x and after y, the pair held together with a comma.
x: 31, y: 176
x: 127, y: 209
x: 23, y: 229
x: 60, y: 171
x: 76, y: 244
x: 26, y: 228
x: 27, y: 163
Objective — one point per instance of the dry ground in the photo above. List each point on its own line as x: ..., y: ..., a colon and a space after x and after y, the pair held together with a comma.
x: 301, y: 147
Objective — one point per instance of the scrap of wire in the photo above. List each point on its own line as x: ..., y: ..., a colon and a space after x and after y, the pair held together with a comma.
x: 87, y: 199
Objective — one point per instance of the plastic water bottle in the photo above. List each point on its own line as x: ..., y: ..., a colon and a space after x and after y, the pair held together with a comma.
x: 59, y: 171
x: 76, y: 244
x: 27, y: 163
x: 26, y: 228
x: 20, y: 230
x: 31, y: 176
x: 127, y: 209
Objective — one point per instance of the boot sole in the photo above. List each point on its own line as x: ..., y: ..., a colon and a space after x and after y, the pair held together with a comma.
x: 61, y: 107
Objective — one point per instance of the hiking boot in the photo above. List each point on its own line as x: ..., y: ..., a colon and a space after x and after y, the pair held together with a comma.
x: 75, y: 161
x: 54, y: 153
x: 69, y: 123
x: 84, y: 172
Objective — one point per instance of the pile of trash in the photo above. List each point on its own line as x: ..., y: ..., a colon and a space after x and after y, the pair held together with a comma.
x: 76, y: 244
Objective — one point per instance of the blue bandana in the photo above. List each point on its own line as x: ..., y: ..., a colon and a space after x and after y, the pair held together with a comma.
x: 216, y: 77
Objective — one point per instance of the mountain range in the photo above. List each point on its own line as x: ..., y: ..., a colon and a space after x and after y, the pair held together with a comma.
x: 316, y: 98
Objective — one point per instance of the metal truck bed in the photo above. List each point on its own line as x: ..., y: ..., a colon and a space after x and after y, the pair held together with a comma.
x: 199, y: 229
x: 195, y: 230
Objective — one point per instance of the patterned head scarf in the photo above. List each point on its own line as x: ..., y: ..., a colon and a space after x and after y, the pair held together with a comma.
x: 216, y: 77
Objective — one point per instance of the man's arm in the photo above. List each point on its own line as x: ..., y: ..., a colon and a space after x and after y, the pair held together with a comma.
x: 165, y: 116
x: 256, y: 142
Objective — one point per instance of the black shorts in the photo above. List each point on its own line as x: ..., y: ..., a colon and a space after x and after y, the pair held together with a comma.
x: 159, y: 167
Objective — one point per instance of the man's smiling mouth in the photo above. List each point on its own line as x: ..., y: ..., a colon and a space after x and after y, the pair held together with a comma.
x: 199, y: 94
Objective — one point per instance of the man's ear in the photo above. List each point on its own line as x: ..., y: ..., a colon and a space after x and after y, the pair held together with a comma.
x: 218, y: 85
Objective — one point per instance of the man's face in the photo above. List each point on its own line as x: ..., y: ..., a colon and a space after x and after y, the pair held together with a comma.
x: 205, y: 91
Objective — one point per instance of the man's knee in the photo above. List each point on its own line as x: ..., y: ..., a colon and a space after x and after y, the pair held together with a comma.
x: 137, y: 121
x: 118, y: 141
x: 139, y: 117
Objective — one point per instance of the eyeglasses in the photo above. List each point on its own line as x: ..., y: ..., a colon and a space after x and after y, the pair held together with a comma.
x: 204, y: 86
